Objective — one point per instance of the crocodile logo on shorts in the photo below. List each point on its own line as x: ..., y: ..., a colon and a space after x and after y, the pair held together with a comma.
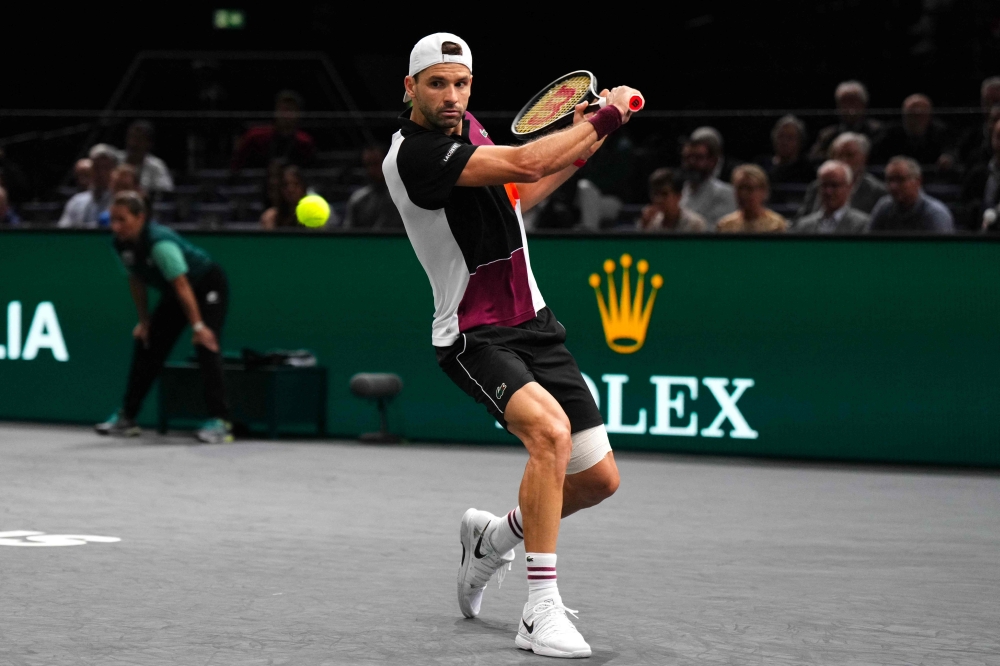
x: 500, y: 390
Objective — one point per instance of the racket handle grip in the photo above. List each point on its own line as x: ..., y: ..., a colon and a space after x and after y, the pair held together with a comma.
x: 635, y: 103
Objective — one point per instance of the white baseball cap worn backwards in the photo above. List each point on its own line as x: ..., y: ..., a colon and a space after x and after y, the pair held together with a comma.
x: 427, y: 52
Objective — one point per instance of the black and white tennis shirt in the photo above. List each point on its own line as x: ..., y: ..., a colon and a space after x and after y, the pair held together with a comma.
x: 470, y: 240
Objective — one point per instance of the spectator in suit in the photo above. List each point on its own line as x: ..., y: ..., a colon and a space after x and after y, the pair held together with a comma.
x: 973, y: 145
x: 703, y: 193
x: 724, y: 167
x: 83, y: 174
x: 259, y: 146
x: 751, y: 216
x: 371, y: 207
x: 907, y: 207
x: 85, y: 208
x: 866, y: 190
x: 664, y: 212
x: 852, y: 108
x: 8, y: 217
x: 835, y: 215
x: 980, y: 200
x: 918, y: 134
x: 154, y: 176
x: 787, y: 163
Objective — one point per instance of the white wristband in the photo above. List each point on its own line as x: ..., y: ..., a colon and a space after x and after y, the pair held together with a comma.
x: 197, y: 326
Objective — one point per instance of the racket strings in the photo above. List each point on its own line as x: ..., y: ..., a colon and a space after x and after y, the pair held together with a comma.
x: 554, y: 104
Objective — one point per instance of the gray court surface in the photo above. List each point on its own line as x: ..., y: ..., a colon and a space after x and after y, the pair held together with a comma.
x: 337, y: 553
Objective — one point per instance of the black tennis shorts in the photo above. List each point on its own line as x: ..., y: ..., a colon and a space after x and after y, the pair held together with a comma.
x: 491, y: 363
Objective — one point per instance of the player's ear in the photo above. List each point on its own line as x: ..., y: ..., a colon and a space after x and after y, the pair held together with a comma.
x: 409, y: 83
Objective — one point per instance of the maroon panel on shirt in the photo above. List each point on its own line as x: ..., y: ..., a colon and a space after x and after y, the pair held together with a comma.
x: 498, y: 294
x: 477, y: 133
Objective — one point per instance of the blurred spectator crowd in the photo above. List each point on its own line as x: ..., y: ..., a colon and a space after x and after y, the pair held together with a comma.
x: 858, y: 175
x: 918, y: 173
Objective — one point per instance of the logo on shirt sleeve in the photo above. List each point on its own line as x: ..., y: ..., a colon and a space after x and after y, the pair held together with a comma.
x: 451, y: 151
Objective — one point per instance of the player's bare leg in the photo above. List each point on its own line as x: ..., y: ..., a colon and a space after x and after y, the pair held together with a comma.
x: 536, y: 418
x: 591, y: 486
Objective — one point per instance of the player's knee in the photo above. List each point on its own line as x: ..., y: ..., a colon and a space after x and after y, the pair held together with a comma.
x: 608, y: 484
x: 553, y: 442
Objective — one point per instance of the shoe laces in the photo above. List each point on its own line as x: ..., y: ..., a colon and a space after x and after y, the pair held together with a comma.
x: 558, y: 622
x: 495, y: 563
x: 502, y: 572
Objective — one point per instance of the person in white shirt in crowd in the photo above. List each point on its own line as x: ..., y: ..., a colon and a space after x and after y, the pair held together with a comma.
x: 835, y: 215
x: 154, y: 176
x: 703, y: 193
x: 84, y: 208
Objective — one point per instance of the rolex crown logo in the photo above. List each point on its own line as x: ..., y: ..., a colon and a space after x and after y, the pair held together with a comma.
x: 625, y: 320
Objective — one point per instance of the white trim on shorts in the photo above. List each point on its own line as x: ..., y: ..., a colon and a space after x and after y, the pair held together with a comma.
x: 465, y: 343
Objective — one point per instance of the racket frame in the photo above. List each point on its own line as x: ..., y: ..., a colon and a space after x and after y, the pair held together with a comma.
x: 590, y: 96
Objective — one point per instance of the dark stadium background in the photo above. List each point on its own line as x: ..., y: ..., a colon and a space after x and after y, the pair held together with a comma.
x: 714, y: 54
x: 693, y: 56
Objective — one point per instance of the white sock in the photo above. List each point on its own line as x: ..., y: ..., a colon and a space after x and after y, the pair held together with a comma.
x: 541, y: 576
x: 506, y: 532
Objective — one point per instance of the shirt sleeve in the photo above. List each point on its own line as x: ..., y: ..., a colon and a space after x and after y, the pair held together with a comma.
x: 430, y: 164
x: 169, y: 259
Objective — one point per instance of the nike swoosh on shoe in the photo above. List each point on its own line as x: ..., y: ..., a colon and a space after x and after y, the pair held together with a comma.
x: 479, y: 553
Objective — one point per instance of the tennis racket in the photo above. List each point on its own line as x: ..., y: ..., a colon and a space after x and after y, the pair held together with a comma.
x: 552, y: 108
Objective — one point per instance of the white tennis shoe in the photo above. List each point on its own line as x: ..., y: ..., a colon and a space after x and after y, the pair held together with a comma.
x: 479, y: 561
x: 545, y: 629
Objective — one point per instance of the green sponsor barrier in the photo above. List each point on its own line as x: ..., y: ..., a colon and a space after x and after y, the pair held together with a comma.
x: 860, y: 349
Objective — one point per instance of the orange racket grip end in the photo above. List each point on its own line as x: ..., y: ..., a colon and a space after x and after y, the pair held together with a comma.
x: 635, y: 103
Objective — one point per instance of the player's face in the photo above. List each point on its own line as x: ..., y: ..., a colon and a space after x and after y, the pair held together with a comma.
x: 124, y: 225
x: 441, y: 94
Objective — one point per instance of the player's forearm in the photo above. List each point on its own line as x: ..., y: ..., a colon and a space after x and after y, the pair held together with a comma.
x: 139, y: 297
x: 533, y: 194
x: 553, y: 153
x: 185, y: 295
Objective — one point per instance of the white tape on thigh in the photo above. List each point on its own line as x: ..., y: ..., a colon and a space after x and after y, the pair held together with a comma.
x: 589, y: 448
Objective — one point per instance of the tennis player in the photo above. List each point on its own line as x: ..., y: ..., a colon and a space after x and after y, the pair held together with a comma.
x: 193, y: 290
x: 461, y: 200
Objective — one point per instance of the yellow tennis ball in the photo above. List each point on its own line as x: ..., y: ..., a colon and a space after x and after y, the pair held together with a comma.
x: 312, y: 211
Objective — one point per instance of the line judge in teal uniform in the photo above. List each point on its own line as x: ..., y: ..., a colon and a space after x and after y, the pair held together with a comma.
x: 194, y: 291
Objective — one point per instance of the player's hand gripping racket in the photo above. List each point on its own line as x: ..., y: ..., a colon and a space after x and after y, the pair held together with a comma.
x: 552, y: 108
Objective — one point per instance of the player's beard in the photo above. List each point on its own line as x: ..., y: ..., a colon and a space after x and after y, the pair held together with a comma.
x: 434, y: 117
